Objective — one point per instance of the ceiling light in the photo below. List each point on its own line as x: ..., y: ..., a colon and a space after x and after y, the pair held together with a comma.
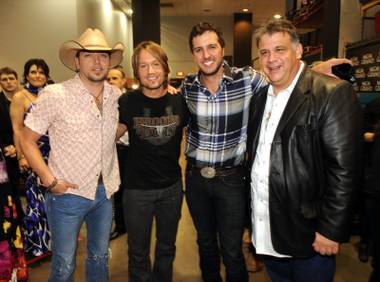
x: 245, y: 10
x: 277, y: 16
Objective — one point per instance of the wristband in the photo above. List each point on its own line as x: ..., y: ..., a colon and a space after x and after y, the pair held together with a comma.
x: 52, y: 185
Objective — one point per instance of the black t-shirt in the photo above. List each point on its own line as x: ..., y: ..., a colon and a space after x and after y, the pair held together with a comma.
x: 155, y: 133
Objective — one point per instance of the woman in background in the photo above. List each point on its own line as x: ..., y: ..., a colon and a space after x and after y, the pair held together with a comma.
x: 37, y: 235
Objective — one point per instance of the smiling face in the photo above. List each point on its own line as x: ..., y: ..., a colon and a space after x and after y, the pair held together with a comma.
x: 93, y: 66
x: 36, y: 76
x: 279, y: 59
x: 208, y: 53
x: 151, y: 73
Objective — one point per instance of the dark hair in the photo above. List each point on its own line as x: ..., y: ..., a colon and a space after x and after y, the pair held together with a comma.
x: 201, y: 28
x: 7, y: 70
x: 274, y: 26
x: 157, y: 52
x: 40, y: 64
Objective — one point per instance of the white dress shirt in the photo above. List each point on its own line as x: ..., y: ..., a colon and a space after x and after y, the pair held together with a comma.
x: 274, y: 107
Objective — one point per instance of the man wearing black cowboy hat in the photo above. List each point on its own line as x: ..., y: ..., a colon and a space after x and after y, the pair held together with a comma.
x: 81, y: 115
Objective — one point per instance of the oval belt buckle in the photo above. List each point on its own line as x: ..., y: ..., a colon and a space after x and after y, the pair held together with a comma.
x: 208, y: 172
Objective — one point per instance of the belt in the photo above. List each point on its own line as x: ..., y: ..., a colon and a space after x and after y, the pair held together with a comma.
x: 211, y: 172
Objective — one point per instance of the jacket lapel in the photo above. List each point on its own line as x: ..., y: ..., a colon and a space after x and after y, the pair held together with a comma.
x: 256, y: 116
x: 296, y: 99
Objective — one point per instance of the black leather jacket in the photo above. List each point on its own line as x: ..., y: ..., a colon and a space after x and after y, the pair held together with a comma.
x: 313, y: 162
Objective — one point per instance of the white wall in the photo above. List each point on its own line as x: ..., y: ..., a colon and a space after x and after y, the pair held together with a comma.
x: 37, y: 29
x: 174, y: 40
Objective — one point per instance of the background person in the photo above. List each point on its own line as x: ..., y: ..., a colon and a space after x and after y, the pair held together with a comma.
x: 116, y: 76
x: 37, y: 235
x: 9, y: 85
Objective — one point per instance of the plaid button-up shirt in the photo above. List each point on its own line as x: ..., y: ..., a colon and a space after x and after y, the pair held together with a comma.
x: 82, y: 140
x: 217, y: 132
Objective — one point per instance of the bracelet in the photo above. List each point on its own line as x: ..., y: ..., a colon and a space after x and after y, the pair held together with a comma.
x: 52, y: 185
x: 20, y: 157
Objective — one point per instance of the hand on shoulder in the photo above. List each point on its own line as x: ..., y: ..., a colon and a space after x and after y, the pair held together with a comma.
x: 326, y: 66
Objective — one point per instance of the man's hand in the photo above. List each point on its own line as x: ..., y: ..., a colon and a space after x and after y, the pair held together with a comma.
x: 10, y: 151
x: 172, y: 90
x: 325, y: 246
x: 326, y: 67
x: 62, y: 186
x: 23, y: 164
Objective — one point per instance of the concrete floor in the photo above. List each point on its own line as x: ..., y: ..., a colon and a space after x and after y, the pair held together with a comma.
x: 349, y: 268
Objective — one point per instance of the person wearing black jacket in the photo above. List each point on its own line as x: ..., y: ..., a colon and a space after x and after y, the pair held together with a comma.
x: 304, y: 139
x: 9, y: 85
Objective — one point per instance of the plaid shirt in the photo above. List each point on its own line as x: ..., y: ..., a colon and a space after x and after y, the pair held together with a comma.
x: 217, y: 132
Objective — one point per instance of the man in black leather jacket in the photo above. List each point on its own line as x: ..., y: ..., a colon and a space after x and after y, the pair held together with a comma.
x: 303, y: 150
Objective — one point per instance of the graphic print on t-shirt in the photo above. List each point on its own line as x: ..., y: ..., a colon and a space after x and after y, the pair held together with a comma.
x: 156, y: 130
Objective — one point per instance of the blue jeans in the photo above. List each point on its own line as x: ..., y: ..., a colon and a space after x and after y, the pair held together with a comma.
x: 314, y: 269
x: 66, y: 214
x: 217, y: 207
x: 140, y: 206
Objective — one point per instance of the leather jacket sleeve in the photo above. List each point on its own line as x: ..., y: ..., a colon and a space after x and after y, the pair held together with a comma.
x: 341, y: 137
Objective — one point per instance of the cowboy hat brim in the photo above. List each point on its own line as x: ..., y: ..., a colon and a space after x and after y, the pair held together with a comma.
x: 69, y: 50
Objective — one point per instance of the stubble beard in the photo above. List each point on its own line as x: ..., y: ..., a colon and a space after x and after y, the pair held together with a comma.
x: 143, y: 85
x: 212, y: 72
x: 93, y: 78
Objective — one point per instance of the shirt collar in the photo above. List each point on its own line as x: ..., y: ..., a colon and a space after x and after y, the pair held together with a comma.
x: 82, y: 88
x: 291, y: 86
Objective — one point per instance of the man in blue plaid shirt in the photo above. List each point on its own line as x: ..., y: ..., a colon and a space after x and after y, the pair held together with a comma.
x: 218, y: 99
